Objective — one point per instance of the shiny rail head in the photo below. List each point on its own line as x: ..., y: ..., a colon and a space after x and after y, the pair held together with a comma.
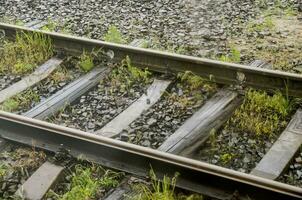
x: 50, y: 137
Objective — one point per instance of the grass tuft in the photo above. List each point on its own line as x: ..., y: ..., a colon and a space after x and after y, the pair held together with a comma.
x: 20, y: 100
x: 25, y: 53
x: 85, y: 182
x: 261, y: 114
x: 161, y: 190
x: 234, y: 56
x: 86, y: 62
x: 114, y: 35
x: 123, y: 77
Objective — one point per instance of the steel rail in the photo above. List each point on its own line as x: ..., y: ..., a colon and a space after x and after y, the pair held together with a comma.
x: 220, y: 72
x: 194, y: 175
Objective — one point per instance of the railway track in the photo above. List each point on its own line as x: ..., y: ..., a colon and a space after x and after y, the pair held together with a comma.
x: 186, y: 137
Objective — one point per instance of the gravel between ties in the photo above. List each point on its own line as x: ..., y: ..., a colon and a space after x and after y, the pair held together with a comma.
x: 293, y: 175
x: 48, y: 87
x: 8, y: 80
x: 155, y: 125
x: 97, y: 107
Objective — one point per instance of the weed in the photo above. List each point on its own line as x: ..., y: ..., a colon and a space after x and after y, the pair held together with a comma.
x: 20, y: 100
x: 55, y: 26
x: 28, y: 159
x: 125, y: 76
x: 226, y: 158
x: 161, y: 190
x: 86, y: 62
x: 261, y: 114
x: 26, y: 53
x: 3, y: 170
x: 85, y: 183
x: 259, y: 26
x: 109, y: 179
x: 50, y: 26
x: 62, y: 74
x: 114, y: 35
x: 191, y: 89
x: 234, y: 56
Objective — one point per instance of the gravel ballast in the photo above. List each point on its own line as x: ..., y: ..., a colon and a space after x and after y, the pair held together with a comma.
x: 7, y: 80
x: 100, y: 105
x: 202, y: 26
x: 293, y: 175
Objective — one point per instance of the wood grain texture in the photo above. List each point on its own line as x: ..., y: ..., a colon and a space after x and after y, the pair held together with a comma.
x: 39, y: 74
x: 194, y: 132
x: 68, y: 94
x: 123, y: 120
x: 40, y: 182
x: 277, y: 159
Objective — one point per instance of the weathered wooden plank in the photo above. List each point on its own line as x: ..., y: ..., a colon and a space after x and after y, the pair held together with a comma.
x: 277, y: 159
x: 121, y: 122
x: 32, y: 23
x: 39, y: 74
x: 39, y: 25
x: 196, y: 129
x: 261, y: 64
x: 39, y: 183
x: 68, y: 94
x: 120, y: 192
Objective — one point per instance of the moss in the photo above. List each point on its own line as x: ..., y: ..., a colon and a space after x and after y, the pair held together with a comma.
x: 261, y: 114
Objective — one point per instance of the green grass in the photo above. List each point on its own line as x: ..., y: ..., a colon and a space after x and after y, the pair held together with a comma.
x: 114, y: 35
x: 124, y: 76
x: 23, y: 99
x: 25, y: 53
x: 258, y: 26
x: 161, y: 190
x: 3, y: 170
x: 55, y: 26
x: 86, y: 62
x: 234, y: 56
x: 86, y: 183
x: 261, y: 114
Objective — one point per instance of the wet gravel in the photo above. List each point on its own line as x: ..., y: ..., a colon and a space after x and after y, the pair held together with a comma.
x: 202, y: 26
x: 7, y: 80
x: 155, y: 125
x: 294, y: 174
x: 96, y: 108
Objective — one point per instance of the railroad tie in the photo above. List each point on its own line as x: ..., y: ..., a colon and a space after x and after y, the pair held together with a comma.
x: 35, y: 24
x: 51, y: 105
x: 197, y: 128
x: 38, y: 75
x: 277, y: 159
x: 40, y: 182
x: 68, y: 94
x: 45, y: 109
x: 124, y: 119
